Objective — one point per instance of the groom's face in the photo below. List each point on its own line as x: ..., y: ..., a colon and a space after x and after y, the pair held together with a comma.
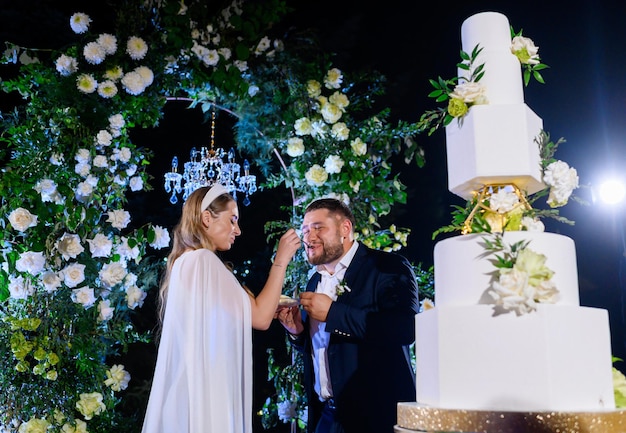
x: 322, y: 237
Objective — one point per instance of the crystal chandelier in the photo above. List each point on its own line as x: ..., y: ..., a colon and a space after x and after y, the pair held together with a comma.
x: 207, y: 167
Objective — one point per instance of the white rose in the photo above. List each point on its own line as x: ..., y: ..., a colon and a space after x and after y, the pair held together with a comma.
x: 104, y: 138
x: 21, y: 219
x: 533, y: 224
x: 31, y: 262
x: 73, y: 274
x: 562, y: 181
x: 100, y: 245
x: 331, y: 113
x: 19, y: 288
x: 69, y: 246
x: 83, y: 296
x: 112, y: 274
x: 302, y: 126
x: 136, y: 183
x: 340, y: 100
x: 359, y: 148
x: 90, y: 404
x: 161, y: 238
x: 316, y: 175
x: 105, y: 311
x: 340, y: 131
x: 313, y: 88
x: 319, y: 129
x: 116, y: 121
x: 51, y: 281
x: 117, y: 378
x: 470, y: 92
x: 333, y: 79
x: 118, y: 218
x: 295, y: 147
x: 135, y: 297
x: 82, y: 156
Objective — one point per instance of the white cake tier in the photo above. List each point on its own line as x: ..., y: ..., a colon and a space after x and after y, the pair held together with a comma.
x: 463, y: 272
x: 557, y: 358
x: 503, y: 72
x: 494, y: 144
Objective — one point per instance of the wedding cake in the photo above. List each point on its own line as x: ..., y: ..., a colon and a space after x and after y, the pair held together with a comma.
x: 485, y: 347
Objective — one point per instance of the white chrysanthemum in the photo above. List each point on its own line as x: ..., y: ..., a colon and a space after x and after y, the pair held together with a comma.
x: 19, y: 288
x: 333, y: 79
x: 69, y: 246
x: 161, y: 238
x: 340, y: 131
x: 83, y: 296
x: 136, y: 48
x: 295, y: 147
x: 316, y: 175
x: 136, y: 183
x: 31, y: 262
x: 117, y: 378
x: 108, y: 43
x: 100, y: 245
x: 135, y: 297
x: 105, y: 311
x: 66, y: 65
x: 302, y: 126
x: 73, y: 274
x: 118, y: 218
x: 112, y: 274
x: 114, y: 74
x: 51, y: 281
x: 103, y: 138
x: 94, y: 53
x: 21, y: 219
x: 146, y: 75
x: 333, y: 164
x: 79, y: 22
x: 86, y: 83
x: 107, y: 89
x: 359, y: 148
x: 133, y: 83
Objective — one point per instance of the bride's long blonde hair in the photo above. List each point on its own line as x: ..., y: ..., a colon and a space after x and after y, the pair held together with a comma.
x: 190, y: 234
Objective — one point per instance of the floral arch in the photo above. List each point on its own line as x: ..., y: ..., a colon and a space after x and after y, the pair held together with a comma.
x: 75, y: 267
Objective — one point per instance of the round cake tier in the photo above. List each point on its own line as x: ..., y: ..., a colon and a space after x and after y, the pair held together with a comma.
x: 464, y: 268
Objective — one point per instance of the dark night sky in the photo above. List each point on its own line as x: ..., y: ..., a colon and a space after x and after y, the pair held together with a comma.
x: 582, y: 101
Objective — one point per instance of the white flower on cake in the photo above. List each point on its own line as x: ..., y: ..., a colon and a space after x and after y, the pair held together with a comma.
x: 522, y: 280
x: 503, y: 201
x: 525, y: 50
x: 562, y: 180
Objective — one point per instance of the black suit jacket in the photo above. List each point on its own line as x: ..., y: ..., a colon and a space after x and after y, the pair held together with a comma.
x: 371, y: 327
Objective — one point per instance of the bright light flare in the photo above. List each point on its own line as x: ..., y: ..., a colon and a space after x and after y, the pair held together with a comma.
x: 612, y: 192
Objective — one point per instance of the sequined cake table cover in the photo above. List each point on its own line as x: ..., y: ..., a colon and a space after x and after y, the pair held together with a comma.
x: 414, y: 417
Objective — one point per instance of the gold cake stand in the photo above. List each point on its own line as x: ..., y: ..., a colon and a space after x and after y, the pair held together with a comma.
x: 414, y: 417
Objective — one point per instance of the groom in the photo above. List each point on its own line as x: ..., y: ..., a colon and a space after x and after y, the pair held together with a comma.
x: 355, y: 327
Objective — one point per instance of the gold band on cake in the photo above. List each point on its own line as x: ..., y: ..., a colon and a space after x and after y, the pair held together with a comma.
x: 415, y: 417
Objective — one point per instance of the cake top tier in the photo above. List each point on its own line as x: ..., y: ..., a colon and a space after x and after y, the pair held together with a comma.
x: 502, y: 79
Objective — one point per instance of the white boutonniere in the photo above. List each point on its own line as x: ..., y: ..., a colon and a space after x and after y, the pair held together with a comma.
x: 342, y: 287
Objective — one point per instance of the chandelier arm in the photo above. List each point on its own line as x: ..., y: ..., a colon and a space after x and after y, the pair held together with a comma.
x: 232, y: 113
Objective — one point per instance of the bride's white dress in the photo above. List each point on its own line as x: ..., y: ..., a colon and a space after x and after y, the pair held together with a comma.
x: 203, y: 376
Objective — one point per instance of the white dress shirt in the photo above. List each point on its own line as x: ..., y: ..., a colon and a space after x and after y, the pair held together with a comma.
x: 319, y: 337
